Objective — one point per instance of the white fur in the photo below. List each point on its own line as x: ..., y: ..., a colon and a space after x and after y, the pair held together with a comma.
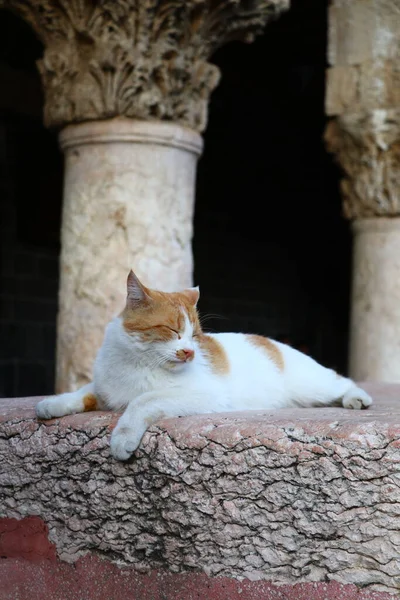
x: 149, y: 382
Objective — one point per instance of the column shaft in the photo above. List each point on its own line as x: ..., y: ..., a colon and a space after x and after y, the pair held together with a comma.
x: 128, y: 203
x: 375, y: 306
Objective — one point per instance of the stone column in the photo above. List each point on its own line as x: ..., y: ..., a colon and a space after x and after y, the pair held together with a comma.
x: 127, y: 82
x: 363, y: 97
x: 128, y: 202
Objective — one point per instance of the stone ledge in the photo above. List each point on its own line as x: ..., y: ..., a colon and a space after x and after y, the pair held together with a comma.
x: 289, y: 497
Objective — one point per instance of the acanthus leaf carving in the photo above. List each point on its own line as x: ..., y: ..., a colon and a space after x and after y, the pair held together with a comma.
x: 367, y: 147
x: 140, y: 59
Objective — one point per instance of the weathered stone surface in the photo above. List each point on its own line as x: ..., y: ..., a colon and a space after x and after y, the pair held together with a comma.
x: 128, y: 203
x: 363, y: 87
x: 139, y: 59
x: 289, y: 496
x: 363, y: 93
x: 363, y: 30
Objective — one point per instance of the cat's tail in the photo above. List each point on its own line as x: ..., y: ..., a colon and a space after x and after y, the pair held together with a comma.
x: 82, y: 400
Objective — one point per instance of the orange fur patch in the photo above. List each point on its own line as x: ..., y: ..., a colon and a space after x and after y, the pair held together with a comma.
x: 89, y: 402
x: 215, y: 353
x: 274, y: 354
x: 162, y: 318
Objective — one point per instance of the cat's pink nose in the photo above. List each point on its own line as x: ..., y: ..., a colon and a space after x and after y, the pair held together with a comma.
x: 185, y: 354
x: 189, y: 354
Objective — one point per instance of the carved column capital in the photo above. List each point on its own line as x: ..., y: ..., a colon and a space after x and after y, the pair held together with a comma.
x: 367, y: 147
x: 142, y: 59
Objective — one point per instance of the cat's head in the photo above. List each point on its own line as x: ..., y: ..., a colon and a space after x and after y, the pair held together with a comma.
x: 164, y: 325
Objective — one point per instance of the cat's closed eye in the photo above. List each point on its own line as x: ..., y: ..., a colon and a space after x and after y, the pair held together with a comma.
x: 175, y: 331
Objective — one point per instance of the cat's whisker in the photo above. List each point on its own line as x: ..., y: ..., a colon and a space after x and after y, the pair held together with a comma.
x: 158, y: 362
x: 209, y: 316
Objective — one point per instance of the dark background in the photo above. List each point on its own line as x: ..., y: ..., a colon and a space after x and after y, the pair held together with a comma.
x: 272, y: 251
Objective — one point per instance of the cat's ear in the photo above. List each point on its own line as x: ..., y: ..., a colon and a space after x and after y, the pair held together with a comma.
x: 136, y: 292
x: 192, y: 294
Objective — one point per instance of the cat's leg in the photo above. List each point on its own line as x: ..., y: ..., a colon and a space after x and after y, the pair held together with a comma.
x: 324, y: 387
x: 82, y: 400
x: 146, y: 410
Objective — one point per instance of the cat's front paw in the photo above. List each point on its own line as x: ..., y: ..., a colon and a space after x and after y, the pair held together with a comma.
x: 124, y: 442
x: 47, y: 409
x: 357, y: 399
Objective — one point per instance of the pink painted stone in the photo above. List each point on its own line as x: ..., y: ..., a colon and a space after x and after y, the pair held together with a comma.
x: 91, y: 578
x: 26, y: 538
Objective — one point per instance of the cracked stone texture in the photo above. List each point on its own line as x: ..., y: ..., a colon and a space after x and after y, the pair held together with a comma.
x: 288, y: 496
x: 128, y: 203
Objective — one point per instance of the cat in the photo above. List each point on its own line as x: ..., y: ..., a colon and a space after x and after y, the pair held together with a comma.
x: 156, y: 362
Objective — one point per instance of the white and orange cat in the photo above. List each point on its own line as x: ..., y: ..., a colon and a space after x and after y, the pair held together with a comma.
x: 156, y: 362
